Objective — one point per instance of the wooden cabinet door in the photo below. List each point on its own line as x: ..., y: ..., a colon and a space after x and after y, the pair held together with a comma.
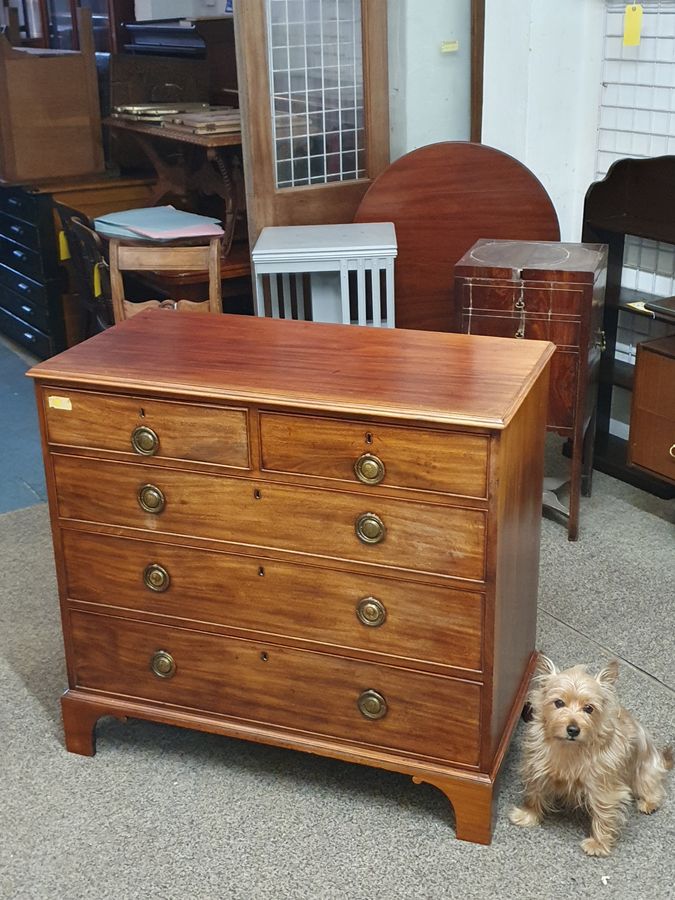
x: 314, y: 96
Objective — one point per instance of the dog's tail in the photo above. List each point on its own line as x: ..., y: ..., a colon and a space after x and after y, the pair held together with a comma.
x: 667, y: 754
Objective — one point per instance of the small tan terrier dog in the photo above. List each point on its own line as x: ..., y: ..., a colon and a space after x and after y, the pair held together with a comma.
x: 582, y: 749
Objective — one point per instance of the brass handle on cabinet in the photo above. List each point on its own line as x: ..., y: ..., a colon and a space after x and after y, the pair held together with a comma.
x: 372, y: 705
x: 369, y: 469
x: 370, y: 528
x: 371, y: 612
x: 151, y: 499
x: 156, y: 578
x: 672, y: 451
x: 144, y: 440
x: 162, y: 664
x: 521, y: 332
x: 601, y: 340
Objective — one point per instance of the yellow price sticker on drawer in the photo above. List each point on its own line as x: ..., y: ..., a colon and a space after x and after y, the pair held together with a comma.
x: 59, y: 403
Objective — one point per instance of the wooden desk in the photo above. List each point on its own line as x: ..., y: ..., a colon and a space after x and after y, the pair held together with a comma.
x: 320, y: 537
x: 207, y: 164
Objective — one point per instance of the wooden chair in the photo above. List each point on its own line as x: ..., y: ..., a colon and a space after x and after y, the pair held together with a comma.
x: 140, y: 256
x: 442, y: 199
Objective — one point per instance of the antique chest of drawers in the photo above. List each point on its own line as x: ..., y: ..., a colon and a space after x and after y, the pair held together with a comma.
x: 323, y: 537
x: 547, y: 291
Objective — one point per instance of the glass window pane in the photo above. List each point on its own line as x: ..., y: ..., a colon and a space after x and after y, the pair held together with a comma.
x: 316, y: 78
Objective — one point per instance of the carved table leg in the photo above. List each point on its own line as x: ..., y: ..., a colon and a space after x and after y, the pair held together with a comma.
x: 472, y: 802
x: 79, y: 721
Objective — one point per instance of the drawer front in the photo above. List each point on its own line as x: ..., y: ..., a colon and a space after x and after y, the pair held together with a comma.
x: 420, y: 537
x: 206, y: 434
x: 655, y: 383
x: 32, y: 312
x: 26, y: 335
x: 426, y: 715
x: 561, y: 332
x: 20, y: 204
x: 23, y: 233
x: 338, y: 609
x: 17, y: 257
x: 652, y: 443
x: 553, y: 298
x: 448, y: 462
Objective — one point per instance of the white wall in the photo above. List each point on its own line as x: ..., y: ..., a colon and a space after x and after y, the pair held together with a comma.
x: 429, y: 90
x: 542, y: 83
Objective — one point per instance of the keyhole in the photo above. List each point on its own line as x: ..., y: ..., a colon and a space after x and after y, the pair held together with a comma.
x: 264, y: 657
x: 369, y: 437
x: 261, y: 571
x: 256, y: 494
x: 141, y: 413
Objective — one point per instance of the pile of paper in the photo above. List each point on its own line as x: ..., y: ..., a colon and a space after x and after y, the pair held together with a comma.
x: 157, y: 223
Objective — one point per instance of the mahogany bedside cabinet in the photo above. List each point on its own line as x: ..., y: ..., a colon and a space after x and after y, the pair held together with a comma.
x: 322, y: 537
x: 547, y: 291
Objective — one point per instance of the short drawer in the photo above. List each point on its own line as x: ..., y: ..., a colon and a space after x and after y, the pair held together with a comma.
x: 432, y: 538
x: 652, y: 443
x: 23, y: 233
x: 561, y: 332
x: 554, y: 298
x: 157, y: 429
x: 419, y: 714
x: 18, y: 257
x: 19, y: 203
x: 31, y: 311
x: 372, y: 615
x: 26, y: 335
x: 447, y: 462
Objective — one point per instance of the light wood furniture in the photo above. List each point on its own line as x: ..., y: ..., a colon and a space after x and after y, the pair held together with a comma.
x: 652, y: 422
x: 635, y: 198
x: 152, y: 257
x: 442, y: 199
x: 546, y: 291
x: 38, y: 306
x: 50, y: 121
x: 315, y: 536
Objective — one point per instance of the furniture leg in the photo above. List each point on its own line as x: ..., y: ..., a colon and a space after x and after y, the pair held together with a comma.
x: 473, y: 803
x: 589, y: 443
x: 575, y: 488
x: 79, y: 721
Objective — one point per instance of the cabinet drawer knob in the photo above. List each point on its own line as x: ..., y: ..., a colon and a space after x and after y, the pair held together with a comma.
x: 162, y: 664
x: 370, y: 528
x: 369, y: 469
x: 151, y: 499
x: 672, y: 451
x: 156, y: 578
x: 371, y: 612
x: 144, y: 440
x: 372, y: 705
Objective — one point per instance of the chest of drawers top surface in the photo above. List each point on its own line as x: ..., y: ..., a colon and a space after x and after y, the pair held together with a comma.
x: 426, y: 376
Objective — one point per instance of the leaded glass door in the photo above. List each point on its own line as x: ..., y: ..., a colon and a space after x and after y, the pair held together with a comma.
x: 313, y: 89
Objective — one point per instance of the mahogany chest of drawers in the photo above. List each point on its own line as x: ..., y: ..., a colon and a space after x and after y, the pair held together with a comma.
x: 547, y: 291
x: 323, y: 537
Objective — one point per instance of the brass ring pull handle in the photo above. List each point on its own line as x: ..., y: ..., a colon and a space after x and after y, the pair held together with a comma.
x: 519, y: 304
x: 369, y: 469
x: 520, y: 333
x: 151, y: 499
x: 370, y: 528
x: 156, y: 578
x: 162, y: 664
x: 371, y: 612
x: 144, y: 441
x: 672, y: 451
x: 372, y: 705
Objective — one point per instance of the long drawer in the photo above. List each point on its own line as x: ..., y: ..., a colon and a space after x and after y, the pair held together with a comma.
x: 24, y: 233
x: 336, y: 609
x: 550, y: 298
x: 163, y: 429
x: 561, y: 332
x: 422, y: 537
x: 425, y: 715
x: 20, y: 203
x: 28, y: 336
x: 18, y: 257
x: 35, y: 313
x: 448, y: 462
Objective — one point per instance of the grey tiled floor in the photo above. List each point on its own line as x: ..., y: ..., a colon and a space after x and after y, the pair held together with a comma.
x: 22, y: 480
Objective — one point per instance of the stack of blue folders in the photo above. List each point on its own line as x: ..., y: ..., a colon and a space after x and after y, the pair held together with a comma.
x: 157, y: 223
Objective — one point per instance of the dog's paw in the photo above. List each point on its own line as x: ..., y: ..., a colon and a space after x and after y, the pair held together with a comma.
x: 647, y: 807
x: 526, y: 818
x: 594, y: 848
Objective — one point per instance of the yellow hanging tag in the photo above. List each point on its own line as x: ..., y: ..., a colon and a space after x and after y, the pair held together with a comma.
x: 632, y: 25
x: 98, y: 290
x: 64, y: 249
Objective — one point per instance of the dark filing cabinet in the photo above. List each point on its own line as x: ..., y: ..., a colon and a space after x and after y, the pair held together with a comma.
x: 550, y: 291
x: 31, y: 282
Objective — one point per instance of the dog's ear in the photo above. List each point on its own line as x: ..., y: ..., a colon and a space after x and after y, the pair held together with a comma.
x: 545, y: 667
x: 608, y: 674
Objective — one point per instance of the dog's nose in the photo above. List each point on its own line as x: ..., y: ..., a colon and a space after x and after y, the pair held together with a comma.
x: 573, y: 730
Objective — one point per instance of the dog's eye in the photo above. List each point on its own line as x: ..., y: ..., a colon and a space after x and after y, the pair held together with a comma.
x: 559, y: 703
x: 588, y: 709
